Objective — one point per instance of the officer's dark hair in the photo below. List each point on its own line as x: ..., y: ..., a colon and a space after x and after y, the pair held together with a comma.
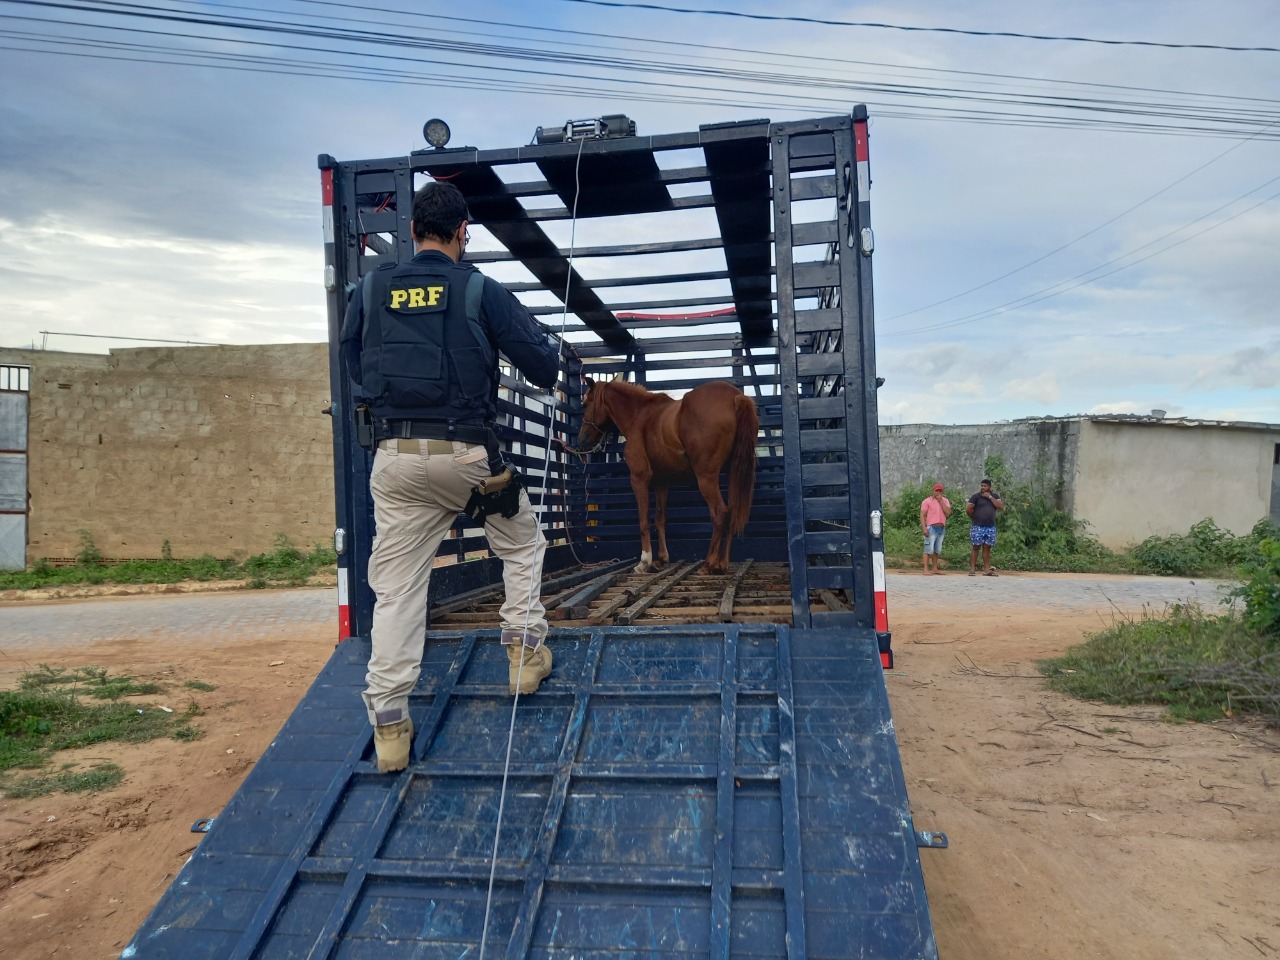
x: 438, y: 208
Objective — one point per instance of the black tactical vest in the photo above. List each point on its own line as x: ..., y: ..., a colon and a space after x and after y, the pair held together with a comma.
x: 424, y: 355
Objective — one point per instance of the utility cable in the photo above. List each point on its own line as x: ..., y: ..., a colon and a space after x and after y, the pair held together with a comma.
x: 1087, y: 233
x: 821, y: 21
x: 773, y: 79
x: 359, y: 73
x: 535, y: 583
x: 754, y: 55
x: 1052, y: 291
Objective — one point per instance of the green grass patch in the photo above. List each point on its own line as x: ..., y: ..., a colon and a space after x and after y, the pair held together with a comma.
x: 92, y: 681
x: 284, y: 565
x: 56, y: 709
x: 1197, y: 665
x: 200, y: 685
x: 102, y: 777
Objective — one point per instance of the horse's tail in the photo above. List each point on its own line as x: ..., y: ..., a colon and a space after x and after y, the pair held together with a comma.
x: 742, y: 463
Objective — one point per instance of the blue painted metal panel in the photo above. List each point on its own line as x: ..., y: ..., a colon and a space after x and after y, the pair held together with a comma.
x: 722, y: 791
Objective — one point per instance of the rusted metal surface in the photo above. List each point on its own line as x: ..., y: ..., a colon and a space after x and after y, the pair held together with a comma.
x: 750, y: 592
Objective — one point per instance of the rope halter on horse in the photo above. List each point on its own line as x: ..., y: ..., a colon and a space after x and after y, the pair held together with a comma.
x: 601, y: 439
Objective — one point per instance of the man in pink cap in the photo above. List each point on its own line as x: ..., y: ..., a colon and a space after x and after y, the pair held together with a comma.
x: 934, y: 511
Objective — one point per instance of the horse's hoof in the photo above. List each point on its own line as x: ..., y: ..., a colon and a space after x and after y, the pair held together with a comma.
x: 644, y: 568
x: 660, y: 563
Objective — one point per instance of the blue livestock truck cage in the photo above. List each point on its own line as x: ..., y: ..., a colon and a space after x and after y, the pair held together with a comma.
x: 711, y: 771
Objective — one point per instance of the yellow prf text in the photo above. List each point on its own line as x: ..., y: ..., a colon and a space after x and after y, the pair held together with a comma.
x: 416, y: 297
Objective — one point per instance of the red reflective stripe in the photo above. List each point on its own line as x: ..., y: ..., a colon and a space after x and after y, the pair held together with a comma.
x: 860, y: 141
x: 344, y: 607
x: 886, y: 660
x: 326, y: 187
x: 879, y: 596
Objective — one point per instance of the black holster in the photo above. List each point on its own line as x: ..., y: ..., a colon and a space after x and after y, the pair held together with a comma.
x: 498, y: 494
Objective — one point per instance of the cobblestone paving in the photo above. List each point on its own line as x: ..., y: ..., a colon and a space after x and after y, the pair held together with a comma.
x: 215, y: 617
x: 207, y: 617
x: 1074, y: 592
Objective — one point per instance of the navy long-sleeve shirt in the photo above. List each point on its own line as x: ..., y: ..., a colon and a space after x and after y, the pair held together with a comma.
x: 505, y: 321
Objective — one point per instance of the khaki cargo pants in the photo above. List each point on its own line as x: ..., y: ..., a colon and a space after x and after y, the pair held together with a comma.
x: 419, y: 488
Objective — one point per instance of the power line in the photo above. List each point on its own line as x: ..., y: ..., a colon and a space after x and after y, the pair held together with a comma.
x: 361, y: 73
x: 1087, y: 233
x: 365, y: 72
x: 806, y: 58
x: 106, y: 336
x: 313, y: 31
x: 820, y: 21
x: 1052, y: 291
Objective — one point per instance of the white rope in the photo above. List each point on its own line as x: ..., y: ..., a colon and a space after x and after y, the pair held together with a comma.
x: 534, y: 582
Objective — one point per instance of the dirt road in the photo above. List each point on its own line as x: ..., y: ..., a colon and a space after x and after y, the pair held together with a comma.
x: 1077, y: 830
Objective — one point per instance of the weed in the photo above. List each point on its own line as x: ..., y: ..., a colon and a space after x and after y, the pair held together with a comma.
x: 283, y: 564
x: 1206, y: 548
x: 95, y: 681
x: 56, y: 708
x: 89, y: 555
x: 102, y: 777
x: 200, y: 685
x: 1261, y: 587
x: 1034, y: 535
x: 1198, y: 666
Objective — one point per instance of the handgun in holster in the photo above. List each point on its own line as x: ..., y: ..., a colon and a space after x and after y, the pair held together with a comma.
x: 498, y: 493
x: 364, y: 426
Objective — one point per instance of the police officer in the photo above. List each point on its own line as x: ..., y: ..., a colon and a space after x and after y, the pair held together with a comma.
x: 421, y: 340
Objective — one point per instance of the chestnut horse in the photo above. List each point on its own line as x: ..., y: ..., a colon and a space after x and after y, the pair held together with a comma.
x: 713, y: 427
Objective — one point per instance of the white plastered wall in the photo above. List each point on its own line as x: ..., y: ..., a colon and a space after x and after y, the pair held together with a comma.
x: 1134, y: 480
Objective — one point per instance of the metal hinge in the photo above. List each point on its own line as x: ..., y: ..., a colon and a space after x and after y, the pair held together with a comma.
x: 927, y: 838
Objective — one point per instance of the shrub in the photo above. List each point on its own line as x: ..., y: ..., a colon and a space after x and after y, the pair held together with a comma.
x: 1261, y: 590
x: 1206, y: 548
x: 1034, y: 534
x: 1198, y: 666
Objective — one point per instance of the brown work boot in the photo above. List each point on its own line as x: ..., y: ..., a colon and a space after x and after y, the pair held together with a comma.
x: 392, y: 742
x: 537, y: 666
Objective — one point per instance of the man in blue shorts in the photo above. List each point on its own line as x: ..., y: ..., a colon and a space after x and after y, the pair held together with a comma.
x: 981, y: 508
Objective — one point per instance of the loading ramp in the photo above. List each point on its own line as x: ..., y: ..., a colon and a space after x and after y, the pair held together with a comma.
x: 704, y: 791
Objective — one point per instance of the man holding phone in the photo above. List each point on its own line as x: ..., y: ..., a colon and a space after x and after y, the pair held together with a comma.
x: 981, y: 508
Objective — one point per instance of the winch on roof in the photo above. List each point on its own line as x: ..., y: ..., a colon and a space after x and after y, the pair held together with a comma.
x: 613, y: 127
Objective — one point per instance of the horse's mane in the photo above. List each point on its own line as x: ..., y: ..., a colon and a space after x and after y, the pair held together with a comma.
x: 634, y: 390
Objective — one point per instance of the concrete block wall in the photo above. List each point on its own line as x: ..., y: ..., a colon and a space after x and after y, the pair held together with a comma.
x: 1032, y: 449
x: 215, y: 449
x: 219, y: 449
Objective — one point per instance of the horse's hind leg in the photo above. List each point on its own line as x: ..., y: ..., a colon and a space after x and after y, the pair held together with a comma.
x: 663, y: 557
x: 717, y: 555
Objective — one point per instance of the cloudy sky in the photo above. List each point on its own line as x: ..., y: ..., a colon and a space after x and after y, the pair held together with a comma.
x: 1061, y: 226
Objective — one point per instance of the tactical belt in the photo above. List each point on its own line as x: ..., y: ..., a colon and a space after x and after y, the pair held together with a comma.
x: 429, y: 447
x: 431, y: 430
